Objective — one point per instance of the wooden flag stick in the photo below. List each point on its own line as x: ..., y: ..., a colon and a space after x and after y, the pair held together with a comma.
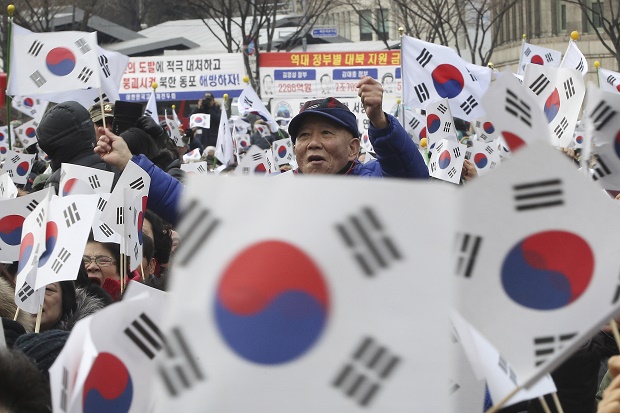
x: 502, y: 402
x: 142, y: 271
x: 16, y: 314
x: 37, y: 325
x: 556, y: 399
x: 614, y: 330
x: 101, y: 107
x: 544, y: 404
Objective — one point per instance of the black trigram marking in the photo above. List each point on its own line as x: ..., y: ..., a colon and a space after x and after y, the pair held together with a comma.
x: 539, y: 84
x: 245, y: 170
x: 422, y: 92
x: 148, y: 112
x: 467, y: 154
x: 601, y: 115
x: 2, y: 188
x: 63, y: 391
x: 83, y: 45
x: 549, y: 57
x: 503, y: 364
x: 201, y: 169
x: 137, y: 184
x: 469, y: 104
x: 454, y: 387
x: 439, y: 147
x: 35, y: 48
x: 544, y: 347
x: 10, y: 172
x: 457, y: 152
x: 25, y: 292
x: 15, y: 159
x: 145, y: 335
x: 518, y: 108
x: 101, y: 204
x: 32, y: 205
x: 179, y: 371
x: 489, y: 149
x: 447, y: 126
x: 107, y: 231
x: 104, y: 98
x: 414, y: 123
x: 468, y: 247
x: 442, y: 108
x: 103, y: 62
x: 561, y: 128
x: 71, y: 215
x: 527, y: 52
x: 62, y: 258
x: 85, y: 74
x: 569, y: 88
x: 541, y: 194
x: 611, y: 80
x: 424, y: 58
x: 372, y: 248
x: 257, y: 157
x: 135, y: 251
x: 580, y: 65
x: 247, y: 101
x: 369, y: 367
x: 198, y: 225
x: 472, y: 76
x: 600, y: 170
x: 94, y: 181
x: 120, y: 216
x: 452, y: 172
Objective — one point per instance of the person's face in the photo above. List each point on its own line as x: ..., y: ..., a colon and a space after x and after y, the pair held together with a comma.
x: 52, y: 306
x: 268, y: 82
x: 324, y: 147
x: 100, y: 271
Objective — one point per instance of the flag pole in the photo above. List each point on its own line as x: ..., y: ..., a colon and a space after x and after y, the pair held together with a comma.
x: 101, y: 106
x: 614, y: 330
x: 544, y: 404
x: 597, y: 65
x: 556, y: 400
x: 523, y: 37
x: 401, y: 105
x: 37, y: 326
x: 10, y: 11
x: 16, y: 314
x: 502, y: 402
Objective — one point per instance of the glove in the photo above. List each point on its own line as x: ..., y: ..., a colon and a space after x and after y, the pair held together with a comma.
x: 148, y: 125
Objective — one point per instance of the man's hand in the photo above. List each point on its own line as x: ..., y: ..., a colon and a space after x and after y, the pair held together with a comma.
x: 371, y: 93
x: 469, y: 170
x: 611, y: 397
x: 112, y: 149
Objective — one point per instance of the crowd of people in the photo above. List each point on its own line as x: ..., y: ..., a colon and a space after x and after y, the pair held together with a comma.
x: 326, y: 141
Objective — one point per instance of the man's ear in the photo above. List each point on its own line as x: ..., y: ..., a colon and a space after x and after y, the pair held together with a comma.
x: 354, y: 148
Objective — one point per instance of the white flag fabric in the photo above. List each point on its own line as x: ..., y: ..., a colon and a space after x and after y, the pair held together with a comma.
x: 4, y: 139
x: 515, y: 113
x: 18, y: 166
x: 111, y: 66
x: 602, y: 129
x: 485, y: 130
x: 102, y: 232
x: 538, y: 55
x: 283, y: 151
x: 609, y: 80
x: 559, y: 92
x: 249, y: 102
x: 13, y: 213
x: 151, y: 108
x: 365, y: 143
x: 26, y: 132
x: 415, y: 125
x: 485, y: 156
x: 30, y: 105
x: 439, y: 122
x: 225, y: 147
x: 8, y: 190
x: 201, y: 167
x: 52, y: 62
x: 134, y: 209
x: 547, y: 265
x: 82, y: 180
x: 68, y: 225
x: 253, y: 162
x: 173, y: 129
x: 579, y: 136
x: 295, y: 329
x: 432, y: 72
x: 446, y: 161
x: 574, y: 59
x: 109, y: 360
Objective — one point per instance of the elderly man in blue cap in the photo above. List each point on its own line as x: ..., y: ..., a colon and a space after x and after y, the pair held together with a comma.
x: 327, y: 141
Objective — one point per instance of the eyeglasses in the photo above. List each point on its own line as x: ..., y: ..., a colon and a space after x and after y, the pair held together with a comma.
x: 100, y: 260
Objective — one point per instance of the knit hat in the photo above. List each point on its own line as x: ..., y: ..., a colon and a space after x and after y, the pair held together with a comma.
x: 329, y: 108
x: 66, y: 132
x: 43, y: 348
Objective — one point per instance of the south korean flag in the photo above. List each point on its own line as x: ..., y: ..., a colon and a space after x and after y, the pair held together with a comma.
x: 559, y: 92
x: 538, y: 55
x: 433, y: 72
x: 253, y: 163
x: 283, y: 151
x: 249, y: 326
x: 574, y: 59
x: 83, y: 180
x: 446, y: 161
x: 439, y: 123
x: 26, y: 133
x: 4, y: 139
x: 609, y: 80
x: 485, y: 130
x: 17, y: 166
x: 30, y: 105
x: 547, y: 265
x: 484, y: 156
x: 415, y: 125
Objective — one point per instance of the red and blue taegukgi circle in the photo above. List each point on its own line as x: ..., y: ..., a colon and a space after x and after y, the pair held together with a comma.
x: 537, y: 60
x: 272, y: 303
x: 51, y: 236
x: 448, y: 81
x: 423, y: 133
x: 548, y: 270
x: 22, y: 168
x: 28, y: 102
x: 488, y: 127
x: 617, y: 144
x: 433, y: 123
x: 444, y: 159
x: 480, y: 160
x: 69, y: 186
x: 60, y: 61
x: 552, y: 105
x: 11, y: 229
x: 2, y: 136
x: 31, y: 132
x: 282, y: 151
x: 25, y: 251
x: 108, y: 386
x: 513, y: 141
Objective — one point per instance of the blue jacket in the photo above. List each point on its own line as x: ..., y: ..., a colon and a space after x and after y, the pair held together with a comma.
x: 397, y: 155
x: 164, y: 192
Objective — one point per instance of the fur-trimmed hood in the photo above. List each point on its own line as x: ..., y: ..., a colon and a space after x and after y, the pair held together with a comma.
x: 87, y: 304
x: 8, y: 306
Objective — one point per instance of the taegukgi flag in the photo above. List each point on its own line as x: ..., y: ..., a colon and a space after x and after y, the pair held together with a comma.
x: 538, y: 55
x: 52, y: 62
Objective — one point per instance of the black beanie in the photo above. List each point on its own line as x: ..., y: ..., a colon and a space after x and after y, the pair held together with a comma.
x: 43, y: 348
x: 66, y: 132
